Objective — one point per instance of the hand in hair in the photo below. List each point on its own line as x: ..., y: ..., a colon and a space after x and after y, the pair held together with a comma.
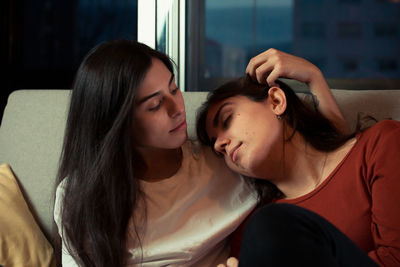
x: 272, y: 64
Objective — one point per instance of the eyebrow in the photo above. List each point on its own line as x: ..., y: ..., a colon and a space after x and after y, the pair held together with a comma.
x: 215, y: 120
x: 144, y: 99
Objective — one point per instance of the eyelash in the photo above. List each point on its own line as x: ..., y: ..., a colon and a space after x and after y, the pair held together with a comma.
x: 173, y: 92
x: 225, y: 123
x: 156, y: 107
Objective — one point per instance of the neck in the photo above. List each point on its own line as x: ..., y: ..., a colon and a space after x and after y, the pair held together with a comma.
x: 302, y: 169
x: 158, y: 164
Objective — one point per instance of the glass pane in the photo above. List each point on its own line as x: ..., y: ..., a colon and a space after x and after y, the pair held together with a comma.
x: 349, y: 39
x: 236, y: 31
x: 345, y: 39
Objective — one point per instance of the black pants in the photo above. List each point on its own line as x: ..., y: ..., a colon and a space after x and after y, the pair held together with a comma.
x: 286, y: 235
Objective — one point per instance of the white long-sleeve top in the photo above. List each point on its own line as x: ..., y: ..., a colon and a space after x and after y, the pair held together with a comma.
x: 189, y: 215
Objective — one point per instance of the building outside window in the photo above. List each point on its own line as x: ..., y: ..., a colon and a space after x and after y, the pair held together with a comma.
x: 355, y: 43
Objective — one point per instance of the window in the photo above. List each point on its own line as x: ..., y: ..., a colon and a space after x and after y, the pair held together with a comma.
x: 349, y: 30
x: 386, y: 30
x: 350, y: 1
x: 350, y: 40
x: 349, y: 64
x: 387, y: 65
x: 313, y: 30
x: 230, y: 34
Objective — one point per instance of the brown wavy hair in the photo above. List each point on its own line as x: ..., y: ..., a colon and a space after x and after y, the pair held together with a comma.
x: 305, y: 119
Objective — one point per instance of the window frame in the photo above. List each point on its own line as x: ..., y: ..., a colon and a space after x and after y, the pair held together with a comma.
x: 175, y: 31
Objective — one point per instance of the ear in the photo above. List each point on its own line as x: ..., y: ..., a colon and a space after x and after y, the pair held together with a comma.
x: 277, y: 99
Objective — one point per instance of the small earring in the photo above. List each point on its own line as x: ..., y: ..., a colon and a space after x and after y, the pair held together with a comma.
x: 278, y: 117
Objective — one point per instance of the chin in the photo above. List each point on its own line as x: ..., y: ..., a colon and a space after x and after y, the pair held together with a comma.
x: 248, y: 167
x: 237, y: 167
x: 179, y: 141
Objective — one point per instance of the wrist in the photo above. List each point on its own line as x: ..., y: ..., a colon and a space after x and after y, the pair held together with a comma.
x: 316, y: 80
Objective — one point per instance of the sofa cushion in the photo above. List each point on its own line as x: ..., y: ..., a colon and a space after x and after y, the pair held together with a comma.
x: 22, y: 243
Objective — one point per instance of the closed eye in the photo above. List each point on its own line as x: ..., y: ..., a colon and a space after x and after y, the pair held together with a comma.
x: 226, y: 122
x: 174, y: 91
x: 155, y: 108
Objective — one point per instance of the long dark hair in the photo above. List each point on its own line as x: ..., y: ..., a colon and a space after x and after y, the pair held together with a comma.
x: 98, y: 155
x: 315, y: 128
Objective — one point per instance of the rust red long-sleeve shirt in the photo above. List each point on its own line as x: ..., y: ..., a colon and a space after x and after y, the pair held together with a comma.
x: 361, y: 196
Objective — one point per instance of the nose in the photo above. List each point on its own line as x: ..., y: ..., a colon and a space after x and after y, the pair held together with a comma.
x: 176, y: 107
x: 221, y: 144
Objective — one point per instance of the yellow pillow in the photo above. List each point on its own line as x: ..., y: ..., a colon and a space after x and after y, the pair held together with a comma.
x: 22, y: 243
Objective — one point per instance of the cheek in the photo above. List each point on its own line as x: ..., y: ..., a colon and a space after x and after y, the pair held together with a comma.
x: 267, y: 153
x: 148, y: 129
x: 181, y: 102
x: 264, y: 145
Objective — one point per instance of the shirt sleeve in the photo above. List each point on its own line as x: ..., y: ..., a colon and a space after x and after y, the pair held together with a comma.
x: 66, y: 258
x: 385, y: 192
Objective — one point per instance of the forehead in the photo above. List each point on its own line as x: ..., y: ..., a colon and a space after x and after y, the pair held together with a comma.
x: 157, y: 77
x: 217, y: 109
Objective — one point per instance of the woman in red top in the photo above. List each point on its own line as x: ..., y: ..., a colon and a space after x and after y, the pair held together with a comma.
x: 338, y: 193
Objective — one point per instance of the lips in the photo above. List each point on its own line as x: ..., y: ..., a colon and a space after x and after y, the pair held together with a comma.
x: 180, y: 126
x: 234, y: 151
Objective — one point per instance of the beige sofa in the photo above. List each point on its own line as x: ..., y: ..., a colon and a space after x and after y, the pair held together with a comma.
x: 33, y: 124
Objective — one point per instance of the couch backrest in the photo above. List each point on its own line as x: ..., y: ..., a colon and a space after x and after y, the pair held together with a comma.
x: 31, y: 136
x: 32, y: 130
x: 381, y: 104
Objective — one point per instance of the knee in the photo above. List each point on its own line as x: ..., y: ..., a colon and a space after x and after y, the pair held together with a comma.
x: 278, y: 222
x: 285, y: 235
x: 276, y: 215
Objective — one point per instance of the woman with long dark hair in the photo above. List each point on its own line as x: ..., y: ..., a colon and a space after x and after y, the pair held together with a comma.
x: 335, y: 194
x: 131, y: 188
